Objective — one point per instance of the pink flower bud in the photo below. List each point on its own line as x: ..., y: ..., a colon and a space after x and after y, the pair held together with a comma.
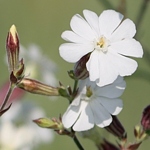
x: 37, y: 87
x: 116, y: 128
x: 145, y: 121
x: 12, y: 47
x: 80, y: 71
x: 105, y: 145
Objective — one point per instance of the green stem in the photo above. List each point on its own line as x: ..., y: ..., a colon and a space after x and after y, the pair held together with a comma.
x: 9, y: 92
x: 75, y: 86
x: 77, y: 143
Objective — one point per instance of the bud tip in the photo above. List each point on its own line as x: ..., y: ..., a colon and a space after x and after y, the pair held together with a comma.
x: 13, y: 31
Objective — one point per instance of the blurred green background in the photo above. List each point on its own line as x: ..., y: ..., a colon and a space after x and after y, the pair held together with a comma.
x: 42, y: 22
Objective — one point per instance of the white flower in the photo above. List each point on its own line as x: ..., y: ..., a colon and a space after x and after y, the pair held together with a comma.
x: 94, y: 105
x: 108, y: 38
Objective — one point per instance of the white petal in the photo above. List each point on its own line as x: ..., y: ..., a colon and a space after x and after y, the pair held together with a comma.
x: 93, y: 66
x: 76, y: 101
x: 85, y: 120
x: 73, y: 37
x: 111, y: 65
x: 113, y: 90
x: 125, y: 30
x: 109, y: 21
x: 125, y: 66
x: 93, y: 21
x: 128, y: 47
x: 101, y: 117
x: 82, y: 28
x: 113, y: 106
x: 101, y: 69
x: 72, y: 52
x: 70, y: 116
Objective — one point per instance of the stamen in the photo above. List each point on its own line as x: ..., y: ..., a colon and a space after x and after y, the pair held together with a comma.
x: 102, y: 44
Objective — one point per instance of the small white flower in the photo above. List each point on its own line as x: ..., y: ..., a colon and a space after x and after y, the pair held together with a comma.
x: 94, y: 105
x: 108, y: 38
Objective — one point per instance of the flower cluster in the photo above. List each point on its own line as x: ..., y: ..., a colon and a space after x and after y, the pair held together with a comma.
x: 99, y: 46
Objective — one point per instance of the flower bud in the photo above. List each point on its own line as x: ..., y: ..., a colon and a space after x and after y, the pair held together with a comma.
x: 16, y: 67
x: 116, y: 128
x: 37, y: 87
x: 49, y: 123
x: 145, y: 121
x: 139, y: 134
x: 105, y: 145
x: 134, y: 146
x: 80, y: 71
x: 12, y: 46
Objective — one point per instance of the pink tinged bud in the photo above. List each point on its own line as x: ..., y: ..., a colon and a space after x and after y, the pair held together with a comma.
x: 134, y: 146
x: 37, y: 87
x: 80, y: 71
x: 12, y: 46
x: 117, y: 129
x: 145, y: 121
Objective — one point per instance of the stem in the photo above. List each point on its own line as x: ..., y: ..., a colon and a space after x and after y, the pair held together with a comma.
x: 77, y: 143
x: 142, y: 11
x: 9, y: 92
x: 75, y: 86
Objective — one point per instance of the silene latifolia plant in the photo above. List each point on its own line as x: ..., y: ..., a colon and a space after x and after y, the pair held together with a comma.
x: 101, y: 48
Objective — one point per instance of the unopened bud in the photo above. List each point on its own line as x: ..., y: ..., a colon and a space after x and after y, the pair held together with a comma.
x: 134, y: 146
x: 116, y: 128
x: 145, y: 121
x: 80, y: 70
x: 12, y: 46
x: 105, y: 145
x: 49, y: 123
x: 37, y: 87
x: 139, y: 133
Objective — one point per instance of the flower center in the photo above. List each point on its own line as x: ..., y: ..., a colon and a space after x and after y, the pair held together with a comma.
x: 102, y: 44
x: 89, y: 92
